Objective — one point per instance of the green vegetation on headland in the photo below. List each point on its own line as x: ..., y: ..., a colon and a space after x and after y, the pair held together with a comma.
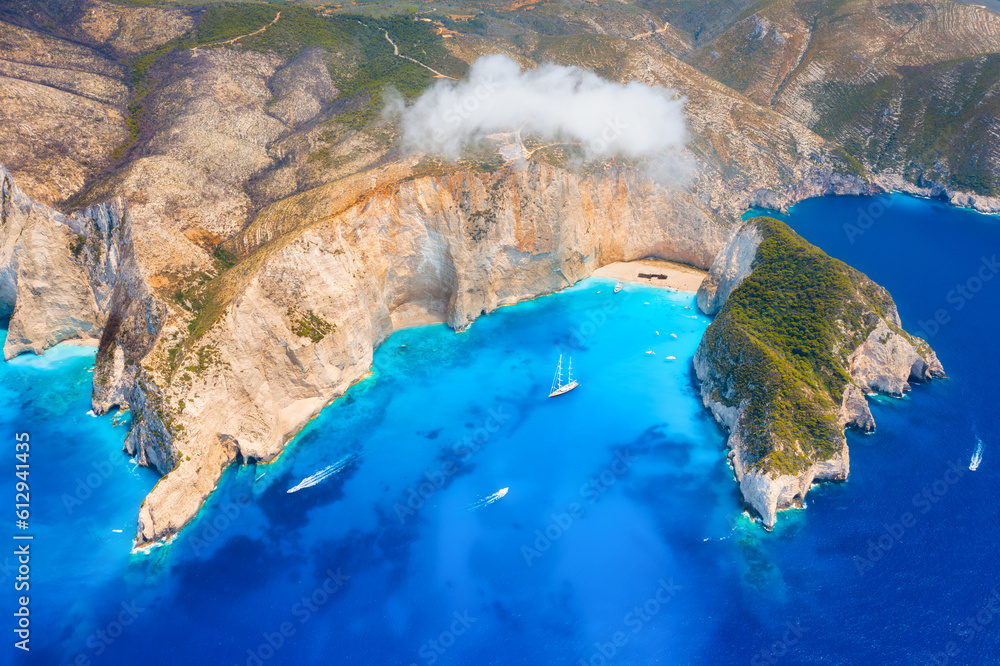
x: 780, y: 345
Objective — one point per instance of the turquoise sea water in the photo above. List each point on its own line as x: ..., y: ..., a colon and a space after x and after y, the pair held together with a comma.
x: 620, y: 538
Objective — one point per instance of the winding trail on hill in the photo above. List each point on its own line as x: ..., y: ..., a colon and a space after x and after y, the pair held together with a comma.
x: 658, y: 31
x: 194, y: 51
x: 395, y: 49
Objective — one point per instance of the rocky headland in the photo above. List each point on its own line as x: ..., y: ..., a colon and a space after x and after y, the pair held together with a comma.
x: 798, y: 340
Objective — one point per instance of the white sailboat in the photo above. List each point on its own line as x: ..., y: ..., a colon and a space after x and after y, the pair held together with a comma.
x: 558, y: 388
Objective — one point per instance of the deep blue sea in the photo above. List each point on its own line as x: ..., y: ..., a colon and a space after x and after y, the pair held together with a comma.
x: 620, y: 538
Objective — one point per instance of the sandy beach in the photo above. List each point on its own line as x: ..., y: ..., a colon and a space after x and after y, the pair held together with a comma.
x: 679, y: 276
x: 412, y: 315
x: 82, y: 342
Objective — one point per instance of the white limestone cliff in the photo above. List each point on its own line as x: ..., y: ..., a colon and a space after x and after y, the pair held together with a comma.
x: 729, y: 268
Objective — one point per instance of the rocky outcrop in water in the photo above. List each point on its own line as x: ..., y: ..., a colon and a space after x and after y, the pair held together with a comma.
x: 799, y: 340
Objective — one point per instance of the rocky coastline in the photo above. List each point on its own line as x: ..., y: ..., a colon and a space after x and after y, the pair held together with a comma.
x: 257, y: 231
x: 338, y: 275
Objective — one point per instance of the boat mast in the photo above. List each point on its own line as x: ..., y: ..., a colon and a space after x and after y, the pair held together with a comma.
x: 570, y: 380
x: 557, y: 380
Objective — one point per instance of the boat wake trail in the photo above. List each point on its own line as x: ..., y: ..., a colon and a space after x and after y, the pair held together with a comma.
x: 977, y: 456
x: 323, y: 474
x: 486, y: 501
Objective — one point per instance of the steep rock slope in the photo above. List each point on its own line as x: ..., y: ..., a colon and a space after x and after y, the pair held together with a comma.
x: 185, y: 180
x: 62, y: 109
x: 64, y: 87
x: 740, y: 154
x: 60, y: 276
x: 729, y: 268
x: 129, y: 31
x: 909, y: 89
x: 786, y: 363
x: 37, y: 243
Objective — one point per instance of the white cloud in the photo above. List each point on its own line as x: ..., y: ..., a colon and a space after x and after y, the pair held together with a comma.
x: 559, y: 103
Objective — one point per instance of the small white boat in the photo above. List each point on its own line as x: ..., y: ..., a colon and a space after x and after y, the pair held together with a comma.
x: 619, y: 286
x: 323, y: 474
x: 977, y: 456
x: 650, y: 351
x: 558, y: 388
x: 673, y: 335
x: 486, y: 501
x: 671, y: 358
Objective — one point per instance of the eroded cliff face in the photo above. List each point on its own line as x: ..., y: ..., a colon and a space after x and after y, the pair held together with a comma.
x: 756, y: 391
x: 729, y: 268
x: 44, y: 284
x: 78, y: 278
